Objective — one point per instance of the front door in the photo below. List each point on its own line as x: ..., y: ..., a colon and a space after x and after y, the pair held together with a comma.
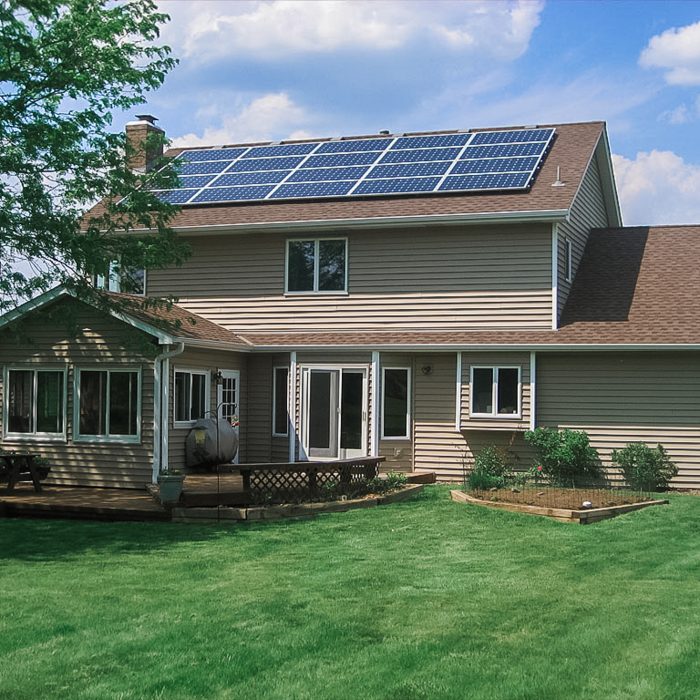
x: 335, y: 413
x: 227, y: 399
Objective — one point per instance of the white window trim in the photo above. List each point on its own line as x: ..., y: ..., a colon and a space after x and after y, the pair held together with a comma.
x: 33, y: 437
x: 407, y: 434
x: 569, y: 259
x: 315, y: 291
x: 119, y: 439
x: 494, y: 396
x: 207, y: 395
x: 274, y: 400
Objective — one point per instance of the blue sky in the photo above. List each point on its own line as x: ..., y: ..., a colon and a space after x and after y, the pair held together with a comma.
x: 273, y: 70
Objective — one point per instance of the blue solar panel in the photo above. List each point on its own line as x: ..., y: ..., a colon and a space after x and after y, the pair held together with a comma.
x: 313, y: 189
x: 315, y: 174
x: 505, y: 150
x: 261, y: 178
x: 517, y: 136
x: 232, y: 194
x: 212, y: 154
x: 216, y: 166
x: 474, y: 161
x: 174, y: 196
x: 431, y: 141
x: 500, y: 181
x: 258, y: 164
x: 410, y: 170
x: 292, y: 149
x: 408, y: 184
x: 422, y: 154
x: 353, y: 146
x: 494, y: 165
x: 195, y: 181
x: 342, y: 160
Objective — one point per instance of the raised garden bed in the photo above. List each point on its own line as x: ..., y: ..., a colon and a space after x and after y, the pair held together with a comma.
x: 291, y: 510
x: 560, y: 504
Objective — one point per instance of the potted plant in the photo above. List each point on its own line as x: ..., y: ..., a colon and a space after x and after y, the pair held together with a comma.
x: 170, y: 485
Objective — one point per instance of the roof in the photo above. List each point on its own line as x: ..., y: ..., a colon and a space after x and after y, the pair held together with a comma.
x: 573, y: 148
x: 635, y: 286
x: 170, y: 324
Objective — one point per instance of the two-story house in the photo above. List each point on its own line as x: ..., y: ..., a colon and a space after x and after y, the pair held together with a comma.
x: 417, y: 296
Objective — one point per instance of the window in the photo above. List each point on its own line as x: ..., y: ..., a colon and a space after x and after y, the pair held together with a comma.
x: 36, y: 402
x: 317, y: 265
x: 568, y: 260
x: 279, y: 401
x: 396, y: 385
x: 108, y: 404
x: 495, y: 391
x: 129, y: 281
x: 191, y: 395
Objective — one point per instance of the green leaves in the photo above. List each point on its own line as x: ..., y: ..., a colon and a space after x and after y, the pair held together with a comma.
x: 65, y: 66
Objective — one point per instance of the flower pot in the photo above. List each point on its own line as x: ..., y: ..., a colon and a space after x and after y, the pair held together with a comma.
x: 170, y: 487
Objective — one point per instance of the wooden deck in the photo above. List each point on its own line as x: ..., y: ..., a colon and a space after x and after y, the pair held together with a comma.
x: 80, y: 502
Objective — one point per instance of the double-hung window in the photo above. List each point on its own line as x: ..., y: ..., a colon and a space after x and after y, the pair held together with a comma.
x: 36, y: 403
x: 317, y: 266
x: 396, y: 390
x: 191, y: 395
x: 122, y: 279
x: 108, y: 403
x: 280, y: 392
x: 495, y: 392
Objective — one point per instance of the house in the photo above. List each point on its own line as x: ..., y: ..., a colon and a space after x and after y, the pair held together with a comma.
x: 343, y: 299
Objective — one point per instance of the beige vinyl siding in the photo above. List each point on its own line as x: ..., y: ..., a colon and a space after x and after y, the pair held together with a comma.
x: 626, y: 397
x: 437, y: 444
x: 209, y: 360
x: 496, y: 359
x: 588, y: 211
x: 398, y: 453
x: 447, y: 277
x: 100, y: 342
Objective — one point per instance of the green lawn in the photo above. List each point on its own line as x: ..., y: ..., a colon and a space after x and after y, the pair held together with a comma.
x: 421, y: 599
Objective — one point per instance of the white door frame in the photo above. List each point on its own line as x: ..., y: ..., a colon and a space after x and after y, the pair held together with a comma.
x: 230, y: 374
x: 306, y: 369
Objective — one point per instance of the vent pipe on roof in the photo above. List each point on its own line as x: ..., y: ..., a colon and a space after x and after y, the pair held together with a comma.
x: 144, y: 142
x: 385, y: 132
x: 558, y: 182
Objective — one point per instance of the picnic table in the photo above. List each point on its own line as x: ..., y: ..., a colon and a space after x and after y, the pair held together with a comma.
x: 14, y: 465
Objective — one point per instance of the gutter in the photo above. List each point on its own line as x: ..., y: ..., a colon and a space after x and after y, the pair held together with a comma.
x: 161, y: 376
x: 534, y: 216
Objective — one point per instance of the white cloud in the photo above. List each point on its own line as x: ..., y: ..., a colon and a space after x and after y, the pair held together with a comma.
x: 212, y: 29
x: 272, y: 116
x: 677, y: 51
x: 658, y: 187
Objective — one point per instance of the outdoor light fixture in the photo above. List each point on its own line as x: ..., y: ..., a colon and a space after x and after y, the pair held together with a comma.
x: 426, y: 369
x: 218, y: 377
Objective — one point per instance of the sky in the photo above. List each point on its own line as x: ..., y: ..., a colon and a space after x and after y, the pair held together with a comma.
x: 252, y: 71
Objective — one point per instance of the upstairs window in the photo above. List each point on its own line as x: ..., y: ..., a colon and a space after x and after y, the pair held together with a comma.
x: 128, y: 281
x: 568, y: 260
x: 495, y: 392
x: 35, y: 402
x: 317, y: 265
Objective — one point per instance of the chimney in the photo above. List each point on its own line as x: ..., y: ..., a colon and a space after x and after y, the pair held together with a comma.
x: 142, y: 154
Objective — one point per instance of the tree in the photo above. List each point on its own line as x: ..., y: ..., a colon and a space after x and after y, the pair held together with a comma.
x: 65, y: 67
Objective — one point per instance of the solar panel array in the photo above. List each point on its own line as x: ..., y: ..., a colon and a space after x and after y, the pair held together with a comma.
x: 462, y: 162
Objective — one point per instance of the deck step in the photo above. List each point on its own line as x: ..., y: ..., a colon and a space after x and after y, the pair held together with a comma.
x: 422, y: 477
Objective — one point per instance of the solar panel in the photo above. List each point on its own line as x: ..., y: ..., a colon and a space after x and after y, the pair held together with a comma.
x: 361, y: 167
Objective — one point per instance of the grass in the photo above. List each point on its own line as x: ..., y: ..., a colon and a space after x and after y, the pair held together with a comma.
x: 422, y: 599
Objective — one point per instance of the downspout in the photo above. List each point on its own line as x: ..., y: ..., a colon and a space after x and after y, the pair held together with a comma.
x: 161, y: 382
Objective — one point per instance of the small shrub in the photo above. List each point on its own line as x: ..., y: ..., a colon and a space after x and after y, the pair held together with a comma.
x: 393, y: 480
x: 491, y: 470
x: 566, y: 456
x: 645, y: 468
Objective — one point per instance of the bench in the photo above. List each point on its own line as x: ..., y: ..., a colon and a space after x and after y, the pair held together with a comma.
x: 15, y: 465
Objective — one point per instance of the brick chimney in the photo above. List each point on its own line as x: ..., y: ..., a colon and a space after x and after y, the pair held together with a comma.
x: 142, y: 156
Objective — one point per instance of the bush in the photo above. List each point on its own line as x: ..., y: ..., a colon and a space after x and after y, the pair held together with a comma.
x: 566, y: 456
x: 645, y: 468
x: 393, y: 480
x: 491, y: 470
